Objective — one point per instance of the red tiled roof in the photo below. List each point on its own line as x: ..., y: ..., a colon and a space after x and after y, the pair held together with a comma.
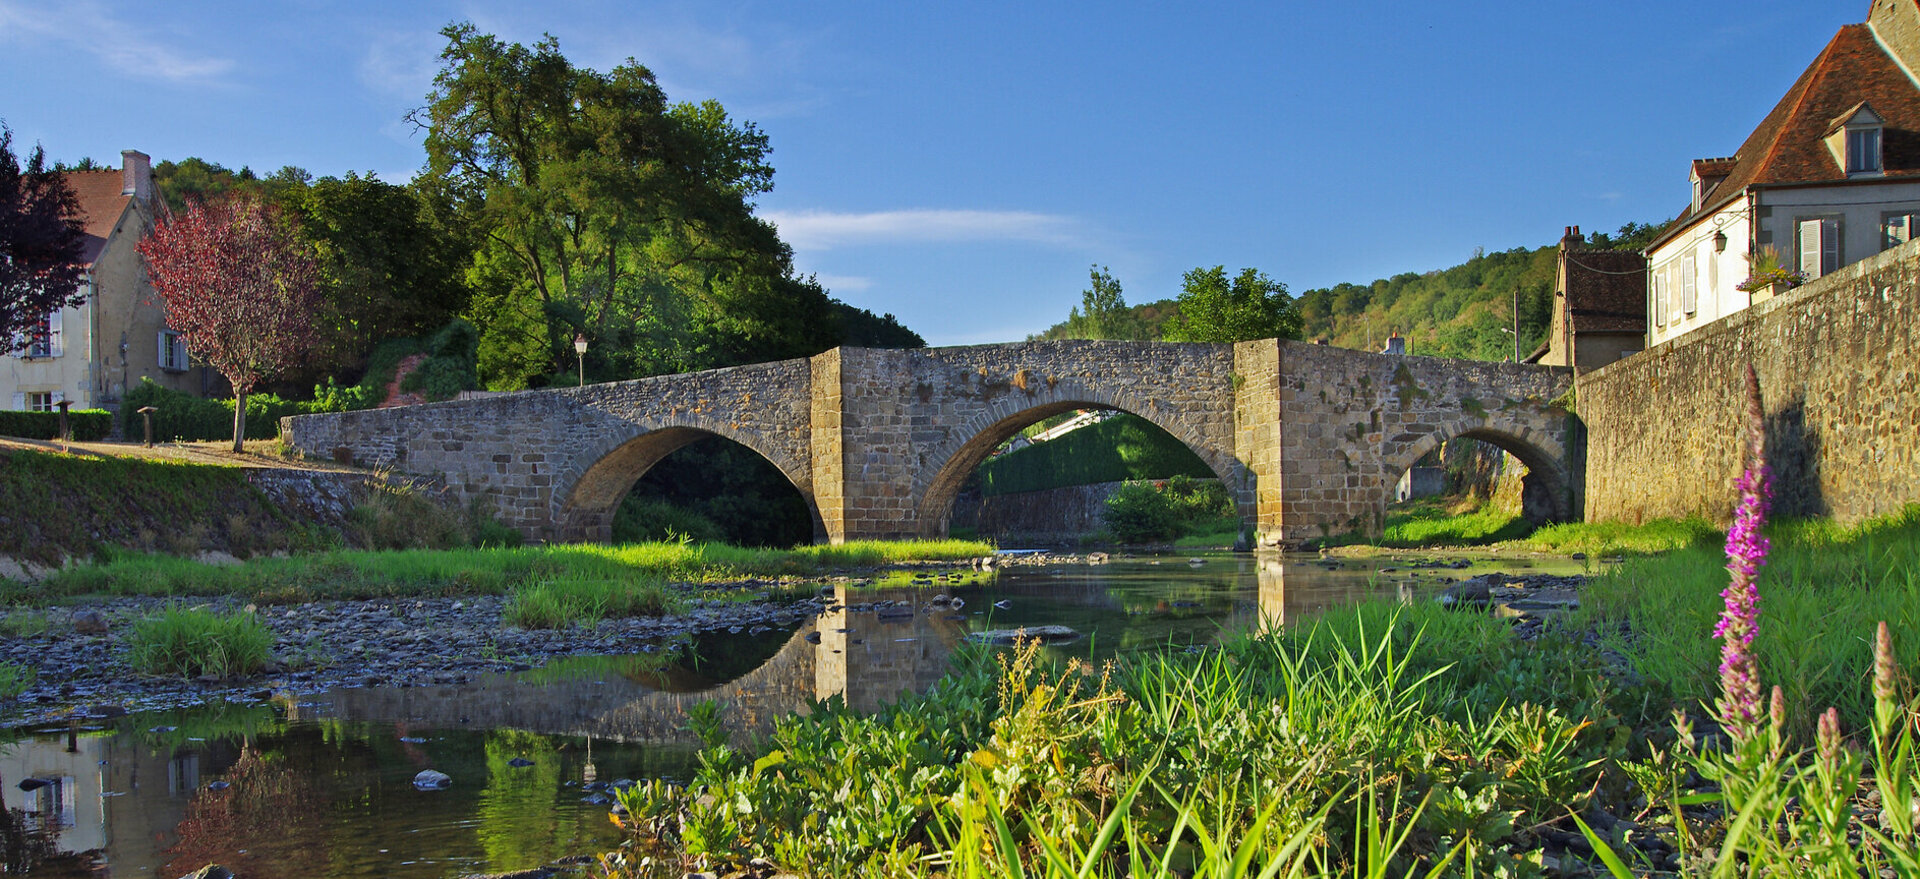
x: 1606, y: 291
x: 1787, y: 147
x: 101, y: 205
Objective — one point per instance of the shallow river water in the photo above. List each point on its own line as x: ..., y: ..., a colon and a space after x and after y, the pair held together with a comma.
x: 321, y: 784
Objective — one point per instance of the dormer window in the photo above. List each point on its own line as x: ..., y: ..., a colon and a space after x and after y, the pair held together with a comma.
x: 1863, y: 149
x: 1855, y: 139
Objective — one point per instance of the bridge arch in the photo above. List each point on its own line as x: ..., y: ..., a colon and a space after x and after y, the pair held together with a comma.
x: 1546, y: 490
x: 970, y: 442
x: 605, y: 472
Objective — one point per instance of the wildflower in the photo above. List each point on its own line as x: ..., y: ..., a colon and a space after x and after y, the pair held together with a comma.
x: 1746, y: 552
x: 1883, y: 666
x: 1827, y: 739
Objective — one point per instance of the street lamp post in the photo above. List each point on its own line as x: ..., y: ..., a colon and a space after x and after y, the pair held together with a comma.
x: 580, y: 352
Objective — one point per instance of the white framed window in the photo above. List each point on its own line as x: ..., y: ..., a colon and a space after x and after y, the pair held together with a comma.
x: 1863, y: 150
x: 1819, y: 246
x: 1898, y: 229
x: 36, y: 401
x: 173, y: 351
x: 43, y: 337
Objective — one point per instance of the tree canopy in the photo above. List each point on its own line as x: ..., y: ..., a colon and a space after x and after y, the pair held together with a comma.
x: 1214, y: 308
x: 239, y: 288
x: 41, y: 243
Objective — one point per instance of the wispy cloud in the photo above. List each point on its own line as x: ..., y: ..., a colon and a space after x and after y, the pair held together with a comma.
x: 825, y: 230
x: 122, y: 46
x: 401, y: 63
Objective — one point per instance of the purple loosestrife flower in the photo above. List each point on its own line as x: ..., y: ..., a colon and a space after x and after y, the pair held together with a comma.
x: 1746, y: 552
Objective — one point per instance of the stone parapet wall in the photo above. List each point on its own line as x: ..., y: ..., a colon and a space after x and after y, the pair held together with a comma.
x: 1052, y: 514
x: 1837, y: 365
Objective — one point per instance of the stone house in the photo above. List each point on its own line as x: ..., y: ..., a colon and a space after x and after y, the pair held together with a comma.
x: 1830, y: 176
x: 91, y: 353
x: 1599, y: 306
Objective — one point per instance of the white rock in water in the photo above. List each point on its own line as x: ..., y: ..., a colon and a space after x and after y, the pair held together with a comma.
x: 429, y: 779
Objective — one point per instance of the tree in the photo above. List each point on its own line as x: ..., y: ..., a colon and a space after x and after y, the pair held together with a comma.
x: 1251, y: 306
x: 41, y: 244
x: 1103, y: 311
x: 239, y: 288
x: 605, y: 210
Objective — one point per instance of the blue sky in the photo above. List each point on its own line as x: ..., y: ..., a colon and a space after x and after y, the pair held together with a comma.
x: 961, y: 165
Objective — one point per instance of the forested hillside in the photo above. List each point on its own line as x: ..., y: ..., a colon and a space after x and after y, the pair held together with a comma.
x: 1465, y: 311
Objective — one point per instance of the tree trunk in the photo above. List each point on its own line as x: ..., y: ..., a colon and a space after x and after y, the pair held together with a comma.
x: 239, y: 419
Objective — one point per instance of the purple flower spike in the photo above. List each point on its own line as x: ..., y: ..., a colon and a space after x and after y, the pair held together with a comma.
x: 1740, y: 709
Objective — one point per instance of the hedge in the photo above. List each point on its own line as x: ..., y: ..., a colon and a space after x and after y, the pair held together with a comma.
x: 1121, y: 448
x: 87, y: 424
x: 185, y: 417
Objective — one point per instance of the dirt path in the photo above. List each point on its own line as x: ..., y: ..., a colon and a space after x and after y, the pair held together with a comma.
x: 258, y: 453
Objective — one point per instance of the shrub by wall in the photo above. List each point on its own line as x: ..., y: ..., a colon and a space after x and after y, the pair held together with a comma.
x: 87, y: 424
x: 1125, y: 447
x: 187, y: 418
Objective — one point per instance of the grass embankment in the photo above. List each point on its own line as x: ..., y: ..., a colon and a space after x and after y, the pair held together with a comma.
x: 1378, y: 741
x: 1449, y: 522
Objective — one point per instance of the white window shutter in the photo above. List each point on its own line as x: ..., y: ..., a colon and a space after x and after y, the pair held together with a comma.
x: 19, y: 401
x: 54, y: 345
x: 1689, y: 284
x: 57, y: 396
x: 1810, y: 247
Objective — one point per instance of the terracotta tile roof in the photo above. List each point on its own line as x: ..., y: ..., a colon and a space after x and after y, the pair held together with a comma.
x: 101, y: 204
x: 1787, y: 147
x: 1606, y: 291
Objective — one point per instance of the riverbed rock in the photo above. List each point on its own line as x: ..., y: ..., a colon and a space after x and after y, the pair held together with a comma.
x: 1043, y: 634
x: 210, y: 871
x: 431, y: 779
x: 90, y: 622
x: 1475, y: 592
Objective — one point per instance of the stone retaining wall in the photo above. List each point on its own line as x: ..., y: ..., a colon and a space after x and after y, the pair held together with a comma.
x: 1836, y: 361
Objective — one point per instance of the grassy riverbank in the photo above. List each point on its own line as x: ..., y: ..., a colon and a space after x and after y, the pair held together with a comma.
x: 1381, y: 740
x: 379, y: 574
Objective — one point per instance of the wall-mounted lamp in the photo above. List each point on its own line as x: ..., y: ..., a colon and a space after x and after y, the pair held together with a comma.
x: 1719, y: 242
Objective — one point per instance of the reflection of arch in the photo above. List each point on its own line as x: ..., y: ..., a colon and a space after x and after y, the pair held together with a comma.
x: 586, y: 513
x: 1546, y: 487
x: 969, y: 443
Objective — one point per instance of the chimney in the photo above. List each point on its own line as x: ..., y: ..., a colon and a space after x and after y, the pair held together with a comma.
x: 136, y: 175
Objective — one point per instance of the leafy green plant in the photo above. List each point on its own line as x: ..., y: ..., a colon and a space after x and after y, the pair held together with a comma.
x: 14, y: 679
x: 552, y: 604
x: 193, y: 643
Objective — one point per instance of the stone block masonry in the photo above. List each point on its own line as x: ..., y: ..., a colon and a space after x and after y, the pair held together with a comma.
x: 1836, y: 361
x: 1308, y: 440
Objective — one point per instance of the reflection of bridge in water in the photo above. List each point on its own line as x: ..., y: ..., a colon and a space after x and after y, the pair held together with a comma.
x: 865, y: 658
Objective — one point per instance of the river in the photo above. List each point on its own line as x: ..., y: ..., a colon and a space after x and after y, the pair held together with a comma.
x: 322, y: 784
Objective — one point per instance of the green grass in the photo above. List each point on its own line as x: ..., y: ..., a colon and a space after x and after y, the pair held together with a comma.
x: 191, y: 643
x: 372, y: 574
x: 553, y: 604
x: 1620, y: 538
x: 1822, y: 590
x: 14, y: 679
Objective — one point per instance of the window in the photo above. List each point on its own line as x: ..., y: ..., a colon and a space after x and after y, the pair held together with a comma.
x: 173, y: 351
x: 1819, y: 247
x: 37, y: 401
x: 1898, y: 229
x: 1863, y: 150
x: 43, y: 337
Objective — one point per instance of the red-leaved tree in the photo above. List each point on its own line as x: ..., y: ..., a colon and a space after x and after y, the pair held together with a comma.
x: 240, y: 289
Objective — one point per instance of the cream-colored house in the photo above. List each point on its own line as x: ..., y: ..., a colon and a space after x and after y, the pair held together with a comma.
x: 1831, y: 176
x: 91, y: 353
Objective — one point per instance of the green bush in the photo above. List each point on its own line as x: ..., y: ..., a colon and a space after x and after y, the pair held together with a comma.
x: 198, y: 642
x: 1118, y: 449
x: 87, y: 424
x: 184, y: 417
x: 1139, y: 512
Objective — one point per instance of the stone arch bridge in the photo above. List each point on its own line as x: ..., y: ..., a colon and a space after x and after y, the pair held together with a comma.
x: 1309, y: 439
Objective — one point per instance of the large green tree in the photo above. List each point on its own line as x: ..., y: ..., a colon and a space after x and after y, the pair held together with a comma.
x: 1250, y: 305
x: 604, y: 210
